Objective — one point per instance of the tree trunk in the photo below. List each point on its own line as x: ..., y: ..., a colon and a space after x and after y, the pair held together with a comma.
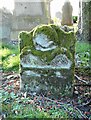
x: 90, y: 21
x: 84, y: 25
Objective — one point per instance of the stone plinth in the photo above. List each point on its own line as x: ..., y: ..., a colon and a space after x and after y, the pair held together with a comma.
x: 47, y: 61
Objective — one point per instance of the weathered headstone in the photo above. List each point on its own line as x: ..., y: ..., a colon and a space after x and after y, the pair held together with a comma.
x: 28, y: 14
x: 47, y: 61
x: 67, y: 13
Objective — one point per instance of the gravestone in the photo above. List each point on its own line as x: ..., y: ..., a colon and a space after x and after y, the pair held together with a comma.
x: 29, y: 13
x: 67, y: 13
x: 47, y: 61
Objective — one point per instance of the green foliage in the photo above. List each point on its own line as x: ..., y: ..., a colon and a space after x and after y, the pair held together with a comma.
x: 26, y: 107
x: 75, y: 18
x: 58, y: 113
x: 5, y: 52
x: 9, y: 55
x: 82, y: 47
x: 83, y: 54
x: 11, y: 62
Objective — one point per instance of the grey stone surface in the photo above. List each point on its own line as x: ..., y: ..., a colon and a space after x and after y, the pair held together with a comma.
x: 28, y: 14
x: 5, y: 24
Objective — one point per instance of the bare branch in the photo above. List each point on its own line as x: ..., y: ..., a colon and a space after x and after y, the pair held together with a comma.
x: 79, y: 79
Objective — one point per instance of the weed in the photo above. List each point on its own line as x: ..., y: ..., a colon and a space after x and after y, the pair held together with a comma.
x: 82, y: 54
x: 82, y: 47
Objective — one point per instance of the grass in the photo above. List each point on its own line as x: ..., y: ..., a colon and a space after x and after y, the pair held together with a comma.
x: 9, y: 55
x: 83, y: 53
x: 5, y: 52
x: 11, y: 63
x: 82, y: 47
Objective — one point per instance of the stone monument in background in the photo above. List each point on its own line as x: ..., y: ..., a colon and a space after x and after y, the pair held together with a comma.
x: 67, y: 13
x: 5, y: 24
x: 29, y: 13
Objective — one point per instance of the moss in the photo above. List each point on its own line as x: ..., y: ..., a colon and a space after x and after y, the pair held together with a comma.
x: 47, y: 56
x: 46, y: 30
x: 44, y: 56
x: 54, y: 33
x: 26, y: 39
x: 62, y: 50
x: 59, y: 32
x: 66, y: 39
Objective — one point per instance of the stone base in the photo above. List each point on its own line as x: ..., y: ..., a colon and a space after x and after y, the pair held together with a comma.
x: 55, y: 83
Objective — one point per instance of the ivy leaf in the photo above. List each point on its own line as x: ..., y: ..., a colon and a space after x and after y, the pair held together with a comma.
x: 13, y: 95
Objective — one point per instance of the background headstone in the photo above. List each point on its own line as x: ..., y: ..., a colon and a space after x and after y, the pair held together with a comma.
x: 5, y: 24
x: 67, y: 13
x: 28, y: 13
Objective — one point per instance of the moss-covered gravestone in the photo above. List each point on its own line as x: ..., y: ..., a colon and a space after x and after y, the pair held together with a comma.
x: 47, y: 60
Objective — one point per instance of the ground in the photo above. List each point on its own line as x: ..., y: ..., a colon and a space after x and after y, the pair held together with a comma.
x: 20, y: 104
x: 76, y: 107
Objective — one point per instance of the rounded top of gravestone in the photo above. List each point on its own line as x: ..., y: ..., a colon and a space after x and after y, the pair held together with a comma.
x: 47, y: 33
